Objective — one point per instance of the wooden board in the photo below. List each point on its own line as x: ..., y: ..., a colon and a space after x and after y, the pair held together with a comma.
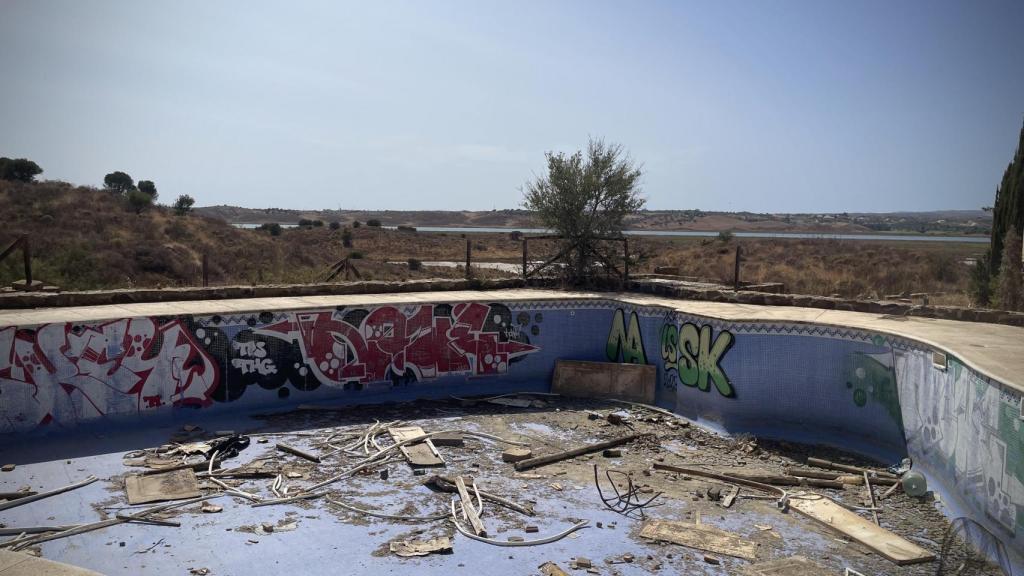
x: 887, y: 544
x: 701, y: 537
x: 176, y: 485
x: 633, y: 382
x: 419, y: 454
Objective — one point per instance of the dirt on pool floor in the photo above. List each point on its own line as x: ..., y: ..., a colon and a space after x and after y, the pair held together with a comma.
x: 390, y: 501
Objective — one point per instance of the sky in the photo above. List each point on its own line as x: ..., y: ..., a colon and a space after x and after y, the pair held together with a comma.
x: 764, y: 106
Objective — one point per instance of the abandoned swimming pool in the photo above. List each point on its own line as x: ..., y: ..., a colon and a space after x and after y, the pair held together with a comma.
x: 78, y: 393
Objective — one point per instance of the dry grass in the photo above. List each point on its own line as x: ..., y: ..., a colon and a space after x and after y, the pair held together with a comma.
x: 854, y: 268
x: 84, y: 238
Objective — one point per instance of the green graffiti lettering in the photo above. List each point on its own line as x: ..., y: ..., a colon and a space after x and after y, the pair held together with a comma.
x: 689, y: 351
x: 669, y: 341
x: 625, y: 342
x: 710, y: 358
x: 696, y: 357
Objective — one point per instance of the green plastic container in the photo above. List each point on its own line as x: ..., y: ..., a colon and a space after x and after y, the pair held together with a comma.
x: 914, y: 484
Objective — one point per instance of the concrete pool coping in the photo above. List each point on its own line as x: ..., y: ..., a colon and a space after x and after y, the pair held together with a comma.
x: 993, y: 350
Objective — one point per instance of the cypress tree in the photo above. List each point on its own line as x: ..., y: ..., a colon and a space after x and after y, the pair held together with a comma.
x: 1008, y: 211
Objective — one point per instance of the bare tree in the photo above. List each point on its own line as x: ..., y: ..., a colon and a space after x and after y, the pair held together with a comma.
x: 585, y: 197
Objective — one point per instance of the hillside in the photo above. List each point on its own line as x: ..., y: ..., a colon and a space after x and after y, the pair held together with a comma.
x: 85, y: 238
x: 935, y: 222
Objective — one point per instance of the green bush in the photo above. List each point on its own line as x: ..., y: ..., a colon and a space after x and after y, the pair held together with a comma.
x: 139, y: 201
x: 415, y: 264
x: 725, y: 236
x: 355, y: 255
x: 373, y: 222
x: 335, y: 225
x: 273, y: 227
x: 183, y: 205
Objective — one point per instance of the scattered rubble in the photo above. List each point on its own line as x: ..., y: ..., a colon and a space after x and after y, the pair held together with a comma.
x: 678, y: 486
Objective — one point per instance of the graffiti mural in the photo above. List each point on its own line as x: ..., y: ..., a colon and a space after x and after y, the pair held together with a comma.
x: 871, y: 378
x: 625, y: 343
x: 67, y: 372
x: 695, y: 357
x: 64, y: 373
x: 359, y: 346
x: 968, y: 431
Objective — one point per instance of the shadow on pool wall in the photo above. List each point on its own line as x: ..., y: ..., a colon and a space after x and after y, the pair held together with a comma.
x: 870, y: 393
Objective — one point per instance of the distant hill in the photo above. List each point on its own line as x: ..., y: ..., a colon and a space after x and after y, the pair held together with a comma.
x: 87, y: 238
x: 937, y: 222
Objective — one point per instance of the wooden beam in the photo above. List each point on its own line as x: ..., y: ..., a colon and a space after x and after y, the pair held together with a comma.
x: 469, y: 511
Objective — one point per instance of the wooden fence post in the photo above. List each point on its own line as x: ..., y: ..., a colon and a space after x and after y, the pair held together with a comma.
x: 206, y: 271
x: 524, y: 257
x: 469, y: 258
x: 736, y: 271
x: 26, y: 250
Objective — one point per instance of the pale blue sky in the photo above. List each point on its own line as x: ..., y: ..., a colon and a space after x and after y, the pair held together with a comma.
x: 766, y: 105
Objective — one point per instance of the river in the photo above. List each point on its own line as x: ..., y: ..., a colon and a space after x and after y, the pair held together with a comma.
x: 703, y: 234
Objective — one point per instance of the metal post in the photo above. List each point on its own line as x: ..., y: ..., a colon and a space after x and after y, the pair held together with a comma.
x: 206, y: 271
x: 736, y: 271
x: 469, y: 257
x: 26, y: 250
x: 524, y: 258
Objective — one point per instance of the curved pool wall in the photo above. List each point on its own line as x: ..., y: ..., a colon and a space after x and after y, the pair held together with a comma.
x: 873, y: 393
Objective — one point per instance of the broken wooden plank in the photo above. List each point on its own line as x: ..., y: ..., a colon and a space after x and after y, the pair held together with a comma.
x: 820, y: 463
x: 469, y: 511
x: 871, y: 499
x: 635, y: 382
x: 558, y: 457
x: 449, y: 439
x: 296, y: 452
x: 889, y: 545
x: 174, y: 485
x: 777, y: 480
x: 422, y: 454
x: 701, y: 537
x: 847, y: 478
x: 41, y: 495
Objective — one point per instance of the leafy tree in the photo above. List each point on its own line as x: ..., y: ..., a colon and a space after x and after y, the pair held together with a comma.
x: 139, y: 201
x: 183, y: 205
x: 346, y: 238
x: 357, y: 224
x: 19, y: 170
x: 583, y: 197
x: 119, y: 182
x: 1010, y: 289
x: 335, y: 225
x: 148, y: 187
x: 373, y: 222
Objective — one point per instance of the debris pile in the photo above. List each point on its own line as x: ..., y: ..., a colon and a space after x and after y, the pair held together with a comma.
x: 521, y: 471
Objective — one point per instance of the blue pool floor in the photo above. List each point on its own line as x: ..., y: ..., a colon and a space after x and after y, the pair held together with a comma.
x: 330, y: 540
